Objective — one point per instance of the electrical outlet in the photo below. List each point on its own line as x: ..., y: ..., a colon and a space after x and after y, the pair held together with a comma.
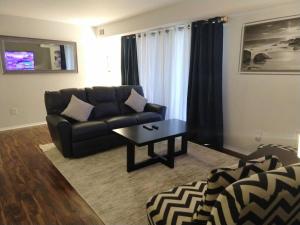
x: 258, y: 136
x: 101, y: 31
x: 13, y: 111
x: 258, y: 139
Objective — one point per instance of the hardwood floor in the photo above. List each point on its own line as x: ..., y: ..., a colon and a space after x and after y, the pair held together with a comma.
x: 32, y: 191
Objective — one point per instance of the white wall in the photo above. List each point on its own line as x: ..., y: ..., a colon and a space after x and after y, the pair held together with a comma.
x: 108, y: 61
x: 258, y: 105
x: 26, y: 92
x: 263, y: 106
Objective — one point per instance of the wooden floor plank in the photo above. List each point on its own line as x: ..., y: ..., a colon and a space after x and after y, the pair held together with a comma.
x: 32, y: 190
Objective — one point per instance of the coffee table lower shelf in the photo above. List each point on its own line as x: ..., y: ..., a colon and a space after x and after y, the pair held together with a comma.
x: 167, y: 159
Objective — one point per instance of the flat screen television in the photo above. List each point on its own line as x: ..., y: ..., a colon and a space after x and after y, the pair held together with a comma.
x: 19, y: 60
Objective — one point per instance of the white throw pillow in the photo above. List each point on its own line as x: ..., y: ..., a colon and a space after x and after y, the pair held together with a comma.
x: 136, y: 101
x: 78, y: 109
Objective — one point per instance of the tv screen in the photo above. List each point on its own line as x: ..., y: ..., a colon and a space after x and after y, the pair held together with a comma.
x: 19, y: 60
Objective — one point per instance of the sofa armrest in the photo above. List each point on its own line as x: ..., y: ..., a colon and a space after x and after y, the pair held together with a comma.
x: 150, y: 107
x: 61, y: 133
x: 251, y: 199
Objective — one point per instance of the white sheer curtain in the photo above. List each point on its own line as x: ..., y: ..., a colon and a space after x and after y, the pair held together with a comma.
x: 69, y: 54
x: 164, y: 58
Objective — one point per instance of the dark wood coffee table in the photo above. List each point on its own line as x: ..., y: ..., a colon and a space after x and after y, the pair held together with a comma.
x: 140, y: 136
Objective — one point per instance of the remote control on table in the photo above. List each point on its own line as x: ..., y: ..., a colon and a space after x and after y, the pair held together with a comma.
x: 147, y: 127
x: 155, y: 127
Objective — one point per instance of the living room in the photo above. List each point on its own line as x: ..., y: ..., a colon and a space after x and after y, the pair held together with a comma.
x: 51, y: 175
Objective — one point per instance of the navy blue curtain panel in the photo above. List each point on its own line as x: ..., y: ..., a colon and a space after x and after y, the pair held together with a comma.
x: 129, y: 63
x: 204, y: 104
x: 63, y: 57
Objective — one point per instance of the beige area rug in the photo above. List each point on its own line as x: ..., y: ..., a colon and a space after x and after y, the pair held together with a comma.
x: 118, y: 197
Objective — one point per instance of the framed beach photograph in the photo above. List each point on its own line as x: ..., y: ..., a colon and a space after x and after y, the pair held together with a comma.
x: 271, y: 47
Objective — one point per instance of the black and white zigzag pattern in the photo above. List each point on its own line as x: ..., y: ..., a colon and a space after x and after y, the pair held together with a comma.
x: 221, y: 178
x: 270, y: 198
x: 176, y: 206
x: 282, y: 147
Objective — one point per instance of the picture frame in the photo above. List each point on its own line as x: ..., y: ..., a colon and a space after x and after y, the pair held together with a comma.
x: 271, y: 46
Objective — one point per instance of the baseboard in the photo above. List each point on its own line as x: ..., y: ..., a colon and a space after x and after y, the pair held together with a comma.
x: 22, y: 126
x: 236, y: 150
x: 228, y: 151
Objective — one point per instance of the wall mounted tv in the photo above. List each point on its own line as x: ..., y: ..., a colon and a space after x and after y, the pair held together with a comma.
x: 19, y: 60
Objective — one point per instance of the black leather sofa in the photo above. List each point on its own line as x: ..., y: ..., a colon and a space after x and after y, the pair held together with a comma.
x: 77, y: 139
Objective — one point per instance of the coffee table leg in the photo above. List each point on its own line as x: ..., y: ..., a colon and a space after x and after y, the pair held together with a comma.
x: 184, y: 144
x: 130, y: 157
x: 171, y: 150
x: 151, y: 150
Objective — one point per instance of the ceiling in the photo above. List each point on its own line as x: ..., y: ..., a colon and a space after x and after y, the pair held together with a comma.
x: 81, y: 12
x: 98, y: 12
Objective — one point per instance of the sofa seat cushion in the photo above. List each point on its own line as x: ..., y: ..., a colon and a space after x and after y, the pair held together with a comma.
x: 121, y: 121
x: 147, y: 117
x: 90, y: 129
x: 176, y: 206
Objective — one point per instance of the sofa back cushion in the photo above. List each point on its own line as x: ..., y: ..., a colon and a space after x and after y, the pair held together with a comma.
x: 123, y: 93
x: 221, y: 178
x: 57, y: 101
x: 108, y: 101
x: 105, y: 101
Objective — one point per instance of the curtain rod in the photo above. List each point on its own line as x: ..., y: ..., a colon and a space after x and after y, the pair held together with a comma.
x: 182, y: 25
x: 223, y: 19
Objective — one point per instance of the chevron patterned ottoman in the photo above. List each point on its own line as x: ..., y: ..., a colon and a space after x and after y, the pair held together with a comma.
x: 191, y: 204
x: 177, y: 205
x: 270, y: 198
